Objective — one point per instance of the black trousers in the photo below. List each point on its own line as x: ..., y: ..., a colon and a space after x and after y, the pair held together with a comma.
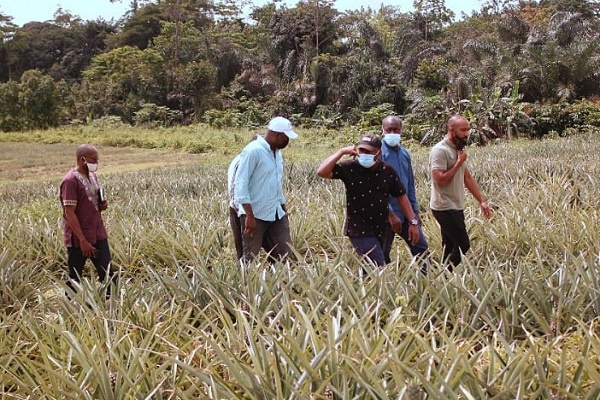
x: 455, y: 239
x: 236, y: 228
x: 76, y: 261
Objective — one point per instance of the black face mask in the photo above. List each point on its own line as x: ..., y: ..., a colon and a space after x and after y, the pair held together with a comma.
x: 283, y: 145
x: 459, y: 143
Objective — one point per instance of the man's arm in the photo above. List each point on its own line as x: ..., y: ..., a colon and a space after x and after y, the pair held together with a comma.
x: 86, y: 247
x: 394, y: 221
x: 325, y: 170
x: 250, y: 221
x: 241, y: 189
x: 472, y: 186
x: 413, y: 230
x: 443, y: 177
x: 241, y: 180
x: 411, y: 187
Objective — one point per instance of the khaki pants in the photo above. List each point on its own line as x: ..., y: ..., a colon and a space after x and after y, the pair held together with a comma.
x: 274, y: 236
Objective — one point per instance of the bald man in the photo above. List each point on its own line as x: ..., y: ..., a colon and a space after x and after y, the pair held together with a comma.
x: 449, y: 177
x: 393, y: 153
x: 84, y: 232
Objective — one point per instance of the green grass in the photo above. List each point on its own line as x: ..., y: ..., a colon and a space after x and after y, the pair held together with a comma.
x: 195, y: 139
x: 517, y: 320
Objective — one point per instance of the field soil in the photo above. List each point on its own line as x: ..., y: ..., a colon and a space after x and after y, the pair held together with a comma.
x: 37, y: 161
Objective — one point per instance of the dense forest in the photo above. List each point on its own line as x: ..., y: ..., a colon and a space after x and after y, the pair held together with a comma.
x: 515, y: 68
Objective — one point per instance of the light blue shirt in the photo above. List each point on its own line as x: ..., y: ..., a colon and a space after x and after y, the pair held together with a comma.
x: 399, y: 159
x: 233, y: 166
x: 258, y: 181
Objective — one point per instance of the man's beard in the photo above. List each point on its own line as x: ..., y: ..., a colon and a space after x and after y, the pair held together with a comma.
x: 459, y: 143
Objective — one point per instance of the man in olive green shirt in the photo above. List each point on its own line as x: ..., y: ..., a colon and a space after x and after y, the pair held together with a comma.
x: 449, y: 177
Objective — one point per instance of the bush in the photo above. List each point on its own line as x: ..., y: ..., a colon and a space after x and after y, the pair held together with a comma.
x: 222, y: 118
x: 108, y: 121
x: 562, y: 117
x: 247, y: 113
x: 152, y: 115
x: 37, y: 102
x: 326, y: 117
x: 372, y: 117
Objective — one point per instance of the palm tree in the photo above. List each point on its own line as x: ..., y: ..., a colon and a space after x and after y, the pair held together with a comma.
x: 565, y: 64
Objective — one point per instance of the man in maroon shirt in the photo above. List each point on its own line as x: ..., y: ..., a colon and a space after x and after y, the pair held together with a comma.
x: 369, y: 183
x: 84, y: 233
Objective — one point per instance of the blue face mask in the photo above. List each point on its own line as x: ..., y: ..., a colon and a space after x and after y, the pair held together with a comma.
x: 366, y: 160
x: 392, y: 139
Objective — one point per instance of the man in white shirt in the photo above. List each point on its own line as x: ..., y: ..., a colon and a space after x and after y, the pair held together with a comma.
x: 234, y: 218
x: 259, y: 193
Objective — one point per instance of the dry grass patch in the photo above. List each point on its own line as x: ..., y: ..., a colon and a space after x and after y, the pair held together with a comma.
x: 37, y: 161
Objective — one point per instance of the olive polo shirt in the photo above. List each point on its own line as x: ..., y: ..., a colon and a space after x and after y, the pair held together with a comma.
x: 451, y: 196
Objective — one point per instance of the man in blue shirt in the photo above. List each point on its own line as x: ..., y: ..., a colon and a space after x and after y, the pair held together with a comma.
x: 259, y: 193
x: 399, y: 158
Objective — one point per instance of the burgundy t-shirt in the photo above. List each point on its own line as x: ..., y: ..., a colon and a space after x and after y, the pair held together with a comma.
x: 367, y: 196
x: 82, y: 192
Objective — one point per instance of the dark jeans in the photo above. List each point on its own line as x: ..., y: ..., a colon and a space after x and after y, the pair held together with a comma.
x: 236, y: 228
x: 76, y: 261
x: 420, y: 250
x: 370, y: 248
x: 274, y: 236
x: 455, y: 239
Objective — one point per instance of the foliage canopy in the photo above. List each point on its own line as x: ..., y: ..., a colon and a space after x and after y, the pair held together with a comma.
x: 210, y: 62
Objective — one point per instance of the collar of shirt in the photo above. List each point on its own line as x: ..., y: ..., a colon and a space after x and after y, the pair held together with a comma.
x: 265, y: 145
x: 449, y: 143
x: 385, y: 148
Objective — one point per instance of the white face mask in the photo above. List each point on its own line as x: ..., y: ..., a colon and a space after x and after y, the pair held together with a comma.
x: 91, y: 167
x: 366, y: 160
x: 392, y: 139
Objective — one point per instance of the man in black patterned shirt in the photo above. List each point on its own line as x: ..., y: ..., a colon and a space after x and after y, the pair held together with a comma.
x: 369, y: 182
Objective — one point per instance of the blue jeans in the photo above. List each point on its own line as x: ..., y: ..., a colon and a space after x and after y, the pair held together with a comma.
x: 370, y: 248
x: 420, y: 249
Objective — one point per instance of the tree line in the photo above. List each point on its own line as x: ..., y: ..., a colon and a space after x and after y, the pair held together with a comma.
x: 512, y: 67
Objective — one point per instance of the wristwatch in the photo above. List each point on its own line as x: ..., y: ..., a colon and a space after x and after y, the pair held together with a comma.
x: 414, y: 221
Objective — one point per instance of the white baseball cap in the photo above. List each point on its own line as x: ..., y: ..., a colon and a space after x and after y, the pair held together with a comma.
x: 280, y: 124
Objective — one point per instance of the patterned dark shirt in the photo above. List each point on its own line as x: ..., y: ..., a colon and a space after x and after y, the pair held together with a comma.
x: 367, y: 196
x: 82, y: 192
